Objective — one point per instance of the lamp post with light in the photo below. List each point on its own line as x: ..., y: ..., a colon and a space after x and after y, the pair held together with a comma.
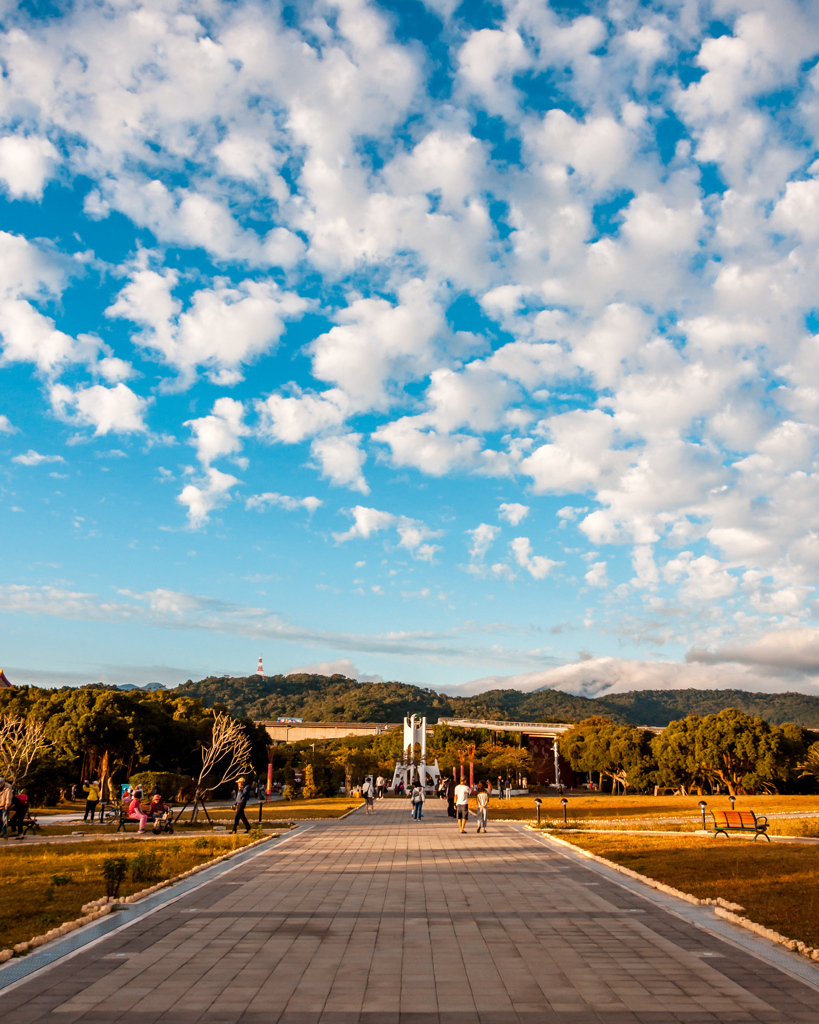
x: 702, y: 805
x: 538, y: 802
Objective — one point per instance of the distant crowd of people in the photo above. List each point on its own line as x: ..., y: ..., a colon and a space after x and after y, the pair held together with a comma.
x: 457, y: 796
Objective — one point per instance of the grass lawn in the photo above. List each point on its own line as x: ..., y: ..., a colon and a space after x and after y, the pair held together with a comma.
x: 778, y: 885
x: 43, y: 886
x: 604, y: 806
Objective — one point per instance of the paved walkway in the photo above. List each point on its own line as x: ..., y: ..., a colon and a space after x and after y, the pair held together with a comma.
x: 383, y: 920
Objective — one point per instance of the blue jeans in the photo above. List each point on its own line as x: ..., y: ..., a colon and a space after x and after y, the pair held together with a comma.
x: 4, y: 823
x: 418, y: 811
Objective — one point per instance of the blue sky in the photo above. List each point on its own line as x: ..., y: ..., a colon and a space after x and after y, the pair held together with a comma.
x: 457, y: 345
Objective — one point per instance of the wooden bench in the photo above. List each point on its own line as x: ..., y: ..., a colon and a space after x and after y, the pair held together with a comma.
x: 122, y: 820
x: 740, y: 821
x: 29, y: 824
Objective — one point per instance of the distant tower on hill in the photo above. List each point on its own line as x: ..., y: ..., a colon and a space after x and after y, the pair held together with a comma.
x: 260, y: 670
x: 4, y: 681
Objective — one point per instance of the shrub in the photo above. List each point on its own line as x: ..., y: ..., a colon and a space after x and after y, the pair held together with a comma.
x: 172, y: 787
x: 61, y: 879
x: 146, y: 866
x: 114, y: 870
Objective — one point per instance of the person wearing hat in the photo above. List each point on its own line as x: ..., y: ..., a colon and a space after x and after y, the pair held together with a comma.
x: 242, y: 798
x: 91, y: 801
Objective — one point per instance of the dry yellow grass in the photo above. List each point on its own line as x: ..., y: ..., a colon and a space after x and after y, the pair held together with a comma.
x: 777, y: 884
x: 31, y: 904
x: 604, y: 806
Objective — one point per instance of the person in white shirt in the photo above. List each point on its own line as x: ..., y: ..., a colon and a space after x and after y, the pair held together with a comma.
x: 367, y: 791
x: 380, y: 782
x: 462, y: 805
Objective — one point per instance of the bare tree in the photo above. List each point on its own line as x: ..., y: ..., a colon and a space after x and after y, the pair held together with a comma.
x: 21, y: 740
x: 228, y: 755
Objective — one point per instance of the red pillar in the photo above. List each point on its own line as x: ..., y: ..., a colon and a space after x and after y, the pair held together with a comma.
x: 269, y: 777
x: 471, y: 776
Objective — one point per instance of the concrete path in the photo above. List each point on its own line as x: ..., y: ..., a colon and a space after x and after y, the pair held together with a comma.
x: 382, y: 920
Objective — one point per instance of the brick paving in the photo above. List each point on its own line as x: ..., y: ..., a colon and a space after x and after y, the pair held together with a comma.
x: 382, y: 920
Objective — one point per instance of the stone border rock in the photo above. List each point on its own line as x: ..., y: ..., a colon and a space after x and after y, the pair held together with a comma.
x: 722, y: 908
x: 768, y: 933
x: 99, y: 908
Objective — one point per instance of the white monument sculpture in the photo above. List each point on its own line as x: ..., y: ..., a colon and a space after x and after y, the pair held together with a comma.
x: 405, y: 769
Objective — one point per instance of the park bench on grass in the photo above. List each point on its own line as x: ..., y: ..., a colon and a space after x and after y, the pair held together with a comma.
x: 740, y: 821
x: 122, y: 820
x: 30, y: 824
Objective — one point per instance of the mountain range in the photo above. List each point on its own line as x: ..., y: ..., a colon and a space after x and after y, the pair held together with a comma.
x: 336, y: 698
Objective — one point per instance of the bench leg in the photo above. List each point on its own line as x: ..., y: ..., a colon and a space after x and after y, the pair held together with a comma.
x: 720, y: 832
x: 762, y: 834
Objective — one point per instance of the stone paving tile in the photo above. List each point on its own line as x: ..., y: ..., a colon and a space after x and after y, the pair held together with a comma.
x: 382, y: 920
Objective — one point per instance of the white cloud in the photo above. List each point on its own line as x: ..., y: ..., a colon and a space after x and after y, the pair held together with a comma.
x: 210, y: 492
x: 596, y: 677
x: 412, y: 533
x: 597, y: 575
x: 116, y: 410
x: 25, y: 164
x: 340, y: 460
x: 222, y: 330
x: 341, y: 666
x: 512, y: 512
x: 261, y: 501
x: 537, y: 566
x: 6, y: 426
x: 220, y: 433
x: 366, y: 522
x: 377, y: 344
x: 483, y: 537
x: 32, y: 458
x: 294, y: 418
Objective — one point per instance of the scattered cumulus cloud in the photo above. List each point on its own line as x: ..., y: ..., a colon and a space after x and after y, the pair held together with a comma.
x: 32, y: 458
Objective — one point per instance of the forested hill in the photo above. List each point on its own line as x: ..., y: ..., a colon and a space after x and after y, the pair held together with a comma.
x: 659, y: 707
x: 338, y: 699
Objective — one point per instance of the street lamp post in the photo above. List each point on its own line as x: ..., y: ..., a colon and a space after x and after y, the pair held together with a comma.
x: 733, y: 800
x: 702, y: 806
x: 538, y: 802
x: 565, y: 803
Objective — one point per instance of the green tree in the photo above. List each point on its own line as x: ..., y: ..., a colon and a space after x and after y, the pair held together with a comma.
x: 744, y: 753
x: 620, y: 752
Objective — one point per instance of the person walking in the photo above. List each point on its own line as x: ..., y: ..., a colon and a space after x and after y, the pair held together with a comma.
x: 368, y: 794
x: 450, y: 797
x: 380, y: 782
x: 507, y: 787
x: 483, y: 807
x: 91, y: 801
x: 6, y: 794
x: 417, y: 796
x: 242, y: 797
x: 462, y: 805
x: 136, y: 812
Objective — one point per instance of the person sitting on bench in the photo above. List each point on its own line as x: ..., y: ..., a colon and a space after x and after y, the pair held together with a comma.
x: 19, y: 807
x: 136, y: 812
